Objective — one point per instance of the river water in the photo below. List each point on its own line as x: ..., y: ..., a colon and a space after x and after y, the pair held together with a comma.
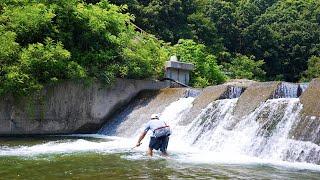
x: 102, y: 157
x: 214, y: 146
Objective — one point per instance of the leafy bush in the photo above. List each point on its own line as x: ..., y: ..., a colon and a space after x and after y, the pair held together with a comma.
x: 144, y: 58
x: 8, y: 47
x: 206, y: 72
x: 47, y: 41
x: 37, y: 65
x: 313, y: 70
x: 14, y: 80
x: 31, y: 21
x: 49, y: 62
x: 245, y: 67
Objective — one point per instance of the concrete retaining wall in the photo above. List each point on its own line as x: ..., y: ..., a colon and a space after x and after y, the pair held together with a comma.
x: 68, y: 107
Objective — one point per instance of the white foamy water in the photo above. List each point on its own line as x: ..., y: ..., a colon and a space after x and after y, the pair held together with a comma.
x: 215, y: 136
x: 235, y: 92
x: 264, y: 133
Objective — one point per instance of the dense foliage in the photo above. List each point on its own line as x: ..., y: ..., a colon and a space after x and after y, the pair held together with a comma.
x: 242, y: 67
x: 206, y: 70
x: 282, y: 33
x: 46, y: 41
x: 313, y: 70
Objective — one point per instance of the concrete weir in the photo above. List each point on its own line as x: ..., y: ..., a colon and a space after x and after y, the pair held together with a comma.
x: 210, y: 94
x: 310, y: 116
x: 254, y: 96
x: 68, y: 107
x: 139, y: 110
x: 260, y: 92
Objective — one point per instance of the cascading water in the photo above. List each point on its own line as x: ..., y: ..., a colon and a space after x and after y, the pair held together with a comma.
x: 232, y: 92
x: 264, y: 133
x: 192, y: 93
x: 235, y: 92
x: 302, y: 87
x: 290, y: 90
x: 215, y: 136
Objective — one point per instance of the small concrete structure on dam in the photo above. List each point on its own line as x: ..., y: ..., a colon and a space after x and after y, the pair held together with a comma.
x: 178, y: 71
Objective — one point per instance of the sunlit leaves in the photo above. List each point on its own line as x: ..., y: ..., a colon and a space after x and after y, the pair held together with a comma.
x: 207, y: 71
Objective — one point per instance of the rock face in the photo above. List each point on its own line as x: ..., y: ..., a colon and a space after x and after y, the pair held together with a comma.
x: 68, y: 107
x: 308, y: 128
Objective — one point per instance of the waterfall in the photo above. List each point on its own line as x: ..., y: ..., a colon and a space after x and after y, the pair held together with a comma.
x: 232, y: 92
x: 235, y: 92
x: 264, y: 133
x: 290, y: 90
x: 215, y: 135
x: 192, y: 93
x: 302, y: 87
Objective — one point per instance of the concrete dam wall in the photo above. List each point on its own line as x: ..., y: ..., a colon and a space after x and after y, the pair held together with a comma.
x: 266, y: 120
x: 68, y: 107
x: 71, y: 107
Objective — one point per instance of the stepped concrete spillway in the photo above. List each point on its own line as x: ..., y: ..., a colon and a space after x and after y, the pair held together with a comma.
x: 254, y: 96
x: 276, y: 121
x: 139, y: 110
x: 272, y: 125
x: 232, y: 89
x: 71, y: 107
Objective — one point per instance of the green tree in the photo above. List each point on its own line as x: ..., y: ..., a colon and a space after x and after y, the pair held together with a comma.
x: 31, y: 22
x: 9, y: 48
x: 166, y: 19
x: 144, y: 58
x: 49, y: 62
x: 245, y: 67
x: 46, y: 41
x: 206, y: 72
x: 313, y: 70
x: 286, y: 35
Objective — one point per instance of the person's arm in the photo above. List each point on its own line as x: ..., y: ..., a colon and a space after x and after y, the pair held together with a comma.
x: 142, y: 135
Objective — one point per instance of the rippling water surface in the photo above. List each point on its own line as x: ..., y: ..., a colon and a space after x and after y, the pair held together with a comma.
x: 102, y: 157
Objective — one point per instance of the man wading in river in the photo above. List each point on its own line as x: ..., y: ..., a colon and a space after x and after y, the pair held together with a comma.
x: 160, y: 135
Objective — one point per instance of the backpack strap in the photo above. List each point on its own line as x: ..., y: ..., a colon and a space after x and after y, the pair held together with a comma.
x: 161, y: 127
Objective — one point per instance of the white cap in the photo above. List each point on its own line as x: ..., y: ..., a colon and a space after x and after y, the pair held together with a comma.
x: 155, y: 116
